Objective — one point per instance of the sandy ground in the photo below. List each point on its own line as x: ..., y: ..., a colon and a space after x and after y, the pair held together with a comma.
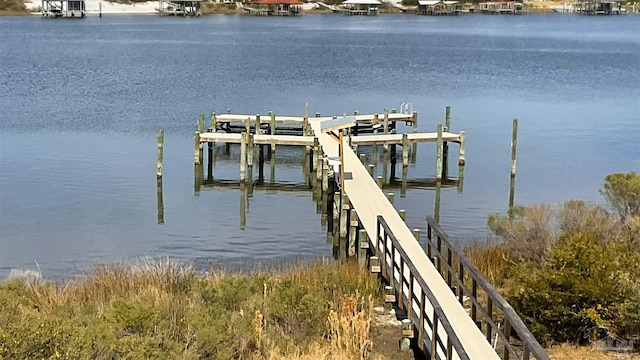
x: 93, y: 6
x: 149, y: 7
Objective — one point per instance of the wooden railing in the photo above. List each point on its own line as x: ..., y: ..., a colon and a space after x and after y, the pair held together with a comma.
x: 488, y: 309
x: 435, y: 334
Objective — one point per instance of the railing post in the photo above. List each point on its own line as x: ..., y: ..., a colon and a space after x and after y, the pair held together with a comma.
x: 507, y: 335
x: 423, y: 298
x: 400, y: 282
x: 474, y: 295
x: 434, y: 336
x: 461, y: 278
x: 490, y: 313
x: 410, y: 297
x: 449, y: 267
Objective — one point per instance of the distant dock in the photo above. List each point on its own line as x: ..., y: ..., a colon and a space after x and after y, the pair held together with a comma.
x: 71, y: 9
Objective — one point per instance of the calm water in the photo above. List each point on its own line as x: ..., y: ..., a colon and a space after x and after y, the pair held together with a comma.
x: 81, y: 101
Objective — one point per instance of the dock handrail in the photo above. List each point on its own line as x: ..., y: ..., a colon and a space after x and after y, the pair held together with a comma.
x: 438, y: 240
x: 435, y: 342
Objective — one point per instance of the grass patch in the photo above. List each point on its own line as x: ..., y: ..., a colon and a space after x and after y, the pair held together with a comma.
x: 166, y: 310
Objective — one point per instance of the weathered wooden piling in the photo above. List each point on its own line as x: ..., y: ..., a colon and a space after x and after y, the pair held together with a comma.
x: 416, y: 234
x: 372, y: 169
x: 319, y: 163
x: 363, y: 158
x: 210, y: 156
x: 379, y: 181
x: 197, y: 179
x: 439, y: 154
x: 445, y: 144
x: 393, y: 157
x: 461, y: 160
x: 243, y: 156
x: 512, y: 191
x: 403, y: 214
x: 414, y: 147
x: 325, y: 177
x: 353, y: 233
x: 344, y: 214
x: 405, y: 150
x: 196, y: 148
x: 512, y: 182
x: 160, y: 155
x: 374, y: 264
x: 514, y: 138
x: 436, y: 205
x: 390, y: 197
x: 331, y: 189
x: 403, y: 184
x: 314, y: 158
x: 363, y: 248
x: 250, y: 150
x: 407, y: 335
x: 214, y: 122
x: 243, y: 206
x: 160, y: 200
x: 272, y: 125
x: 261, y: 162
x: 389, y: 295
x: 201, y: 123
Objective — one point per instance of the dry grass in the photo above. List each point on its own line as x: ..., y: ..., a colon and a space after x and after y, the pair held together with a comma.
x: 573, y: 352
x: 349, y: 329
x: 491, y: 259
x: 167, y: 310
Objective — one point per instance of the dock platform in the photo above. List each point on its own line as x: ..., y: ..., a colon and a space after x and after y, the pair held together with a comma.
x: 451, y: 311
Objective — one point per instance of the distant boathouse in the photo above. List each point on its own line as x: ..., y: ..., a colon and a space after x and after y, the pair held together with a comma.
x: 63, y: 9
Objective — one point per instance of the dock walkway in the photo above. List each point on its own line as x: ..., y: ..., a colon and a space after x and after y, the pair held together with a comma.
x: 369, y: 202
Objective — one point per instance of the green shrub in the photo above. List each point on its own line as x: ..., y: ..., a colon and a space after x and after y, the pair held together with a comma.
x: 622, y: 192
x: 577, y: 288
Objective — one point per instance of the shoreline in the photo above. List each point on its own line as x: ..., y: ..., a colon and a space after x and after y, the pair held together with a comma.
x: 95, y: 7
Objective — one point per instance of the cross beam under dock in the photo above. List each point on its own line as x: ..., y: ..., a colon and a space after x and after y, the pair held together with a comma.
x: 260, y: 139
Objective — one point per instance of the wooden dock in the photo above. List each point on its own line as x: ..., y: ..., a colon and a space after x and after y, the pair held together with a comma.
x: 451, y: 311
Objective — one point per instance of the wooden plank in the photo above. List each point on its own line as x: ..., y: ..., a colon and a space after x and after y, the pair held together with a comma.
x: 369, y: 201
x: 259, y: 139
x: 280, y: 119
x: 397, y: 138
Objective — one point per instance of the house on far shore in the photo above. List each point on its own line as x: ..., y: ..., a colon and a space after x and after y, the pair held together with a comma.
x: 275, y: 7
x: 600, y: 7
x: 179, y: 8
x: 63, y: 8
x: 501, y: 7
x: 360, y: 7
x: 438, y: 7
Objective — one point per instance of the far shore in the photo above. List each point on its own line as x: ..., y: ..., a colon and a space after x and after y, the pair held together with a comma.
x: 150, y: 8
